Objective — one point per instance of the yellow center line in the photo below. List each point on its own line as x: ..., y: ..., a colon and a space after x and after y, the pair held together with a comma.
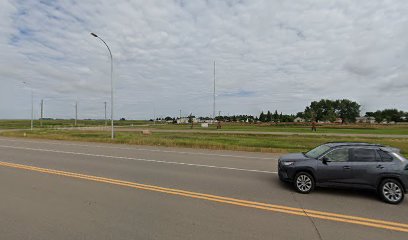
x: 376, y: 223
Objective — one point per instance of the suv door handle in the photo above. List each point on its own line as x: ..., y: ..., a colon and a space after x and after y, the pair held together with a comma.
x: 380, y: 166
x: 347, y: 167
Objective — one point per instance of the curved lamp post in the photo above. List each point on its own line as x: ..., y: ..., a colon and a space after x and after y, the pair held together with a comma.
x: 110, y: 53
x: 32, y: 104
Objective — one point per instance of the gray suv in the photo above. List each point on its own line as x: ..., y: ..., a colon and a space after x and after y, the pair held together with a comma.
x: 357, y: 165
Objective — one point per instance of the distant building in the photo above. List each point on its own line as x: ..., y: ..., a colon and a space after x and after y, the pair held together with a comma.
x: 338, y: 120
x: 299, y: 120
x: 365, y: 120
x: 185, y: 120
x: 182, y: 120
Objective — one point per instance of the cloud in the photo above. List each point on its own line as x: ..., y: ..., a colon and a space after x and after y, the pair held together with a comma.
x: 269, y: 55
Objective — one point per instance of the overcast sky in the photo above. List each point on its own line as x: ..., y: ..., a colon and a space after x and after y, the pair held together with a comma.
x: 269, y: 55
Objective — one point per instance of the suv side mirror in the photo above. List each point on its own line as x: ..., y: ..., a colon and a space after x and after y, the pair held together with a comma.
x: 325, y: 160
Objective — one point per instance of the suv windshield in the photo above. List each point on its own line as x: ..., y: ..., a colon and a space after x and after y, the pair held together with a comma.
x: 316, y: 152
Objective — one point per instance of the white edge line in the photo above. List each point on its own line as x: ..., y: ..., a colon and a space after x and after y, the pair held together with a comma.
x: 139, y: 149
x: 139, y: 159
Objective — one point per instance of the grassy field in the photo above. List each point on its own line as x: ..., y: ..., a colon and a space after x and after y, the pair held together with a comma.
x: 299, y: 128
x: 243, y: 142
x: 294, y: 128
x: 25, y: 124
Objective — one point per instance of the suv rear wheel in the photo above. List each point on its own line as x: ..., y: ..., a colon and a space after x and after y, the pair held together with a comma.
x: 391, y: 191
x: 304, y: 182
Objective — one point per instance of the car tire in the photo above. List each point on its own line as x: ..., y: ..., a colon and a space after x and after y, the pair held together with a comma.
x: 304, y: 182
x: 391, y: 191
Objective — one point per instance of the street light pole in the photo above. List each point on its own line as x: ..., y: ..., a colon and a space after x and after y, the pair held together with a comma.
x: 76, y: 113
x: 110, y: 53
x: 106, y: 122
x: 32, y: 106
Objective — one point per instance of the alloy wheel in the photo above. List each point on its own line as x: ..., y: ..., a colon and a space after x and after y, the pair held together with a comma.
x: 392, y: 192
x: 304, y: 183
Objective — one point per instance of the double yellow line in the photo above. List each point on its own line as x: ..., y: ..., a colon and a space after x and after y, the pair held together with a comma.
x: 376, y: 223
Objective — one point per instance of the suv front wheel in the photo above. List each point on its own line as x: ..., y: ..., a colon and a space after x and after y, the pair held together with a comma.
x: 391, y: 191
x: 304, y: 182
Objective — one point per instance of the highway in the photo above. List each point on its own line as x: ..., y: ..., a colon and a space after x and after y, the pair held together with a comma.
x: 75, y: 190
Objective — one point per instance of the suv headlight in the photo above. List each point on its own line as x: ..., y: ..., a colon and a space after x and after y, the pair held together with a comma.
x: 287, y: 163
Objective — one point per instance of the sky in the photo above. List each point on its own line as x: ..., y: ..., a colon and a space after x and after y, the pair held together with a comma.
x: 269, y: 54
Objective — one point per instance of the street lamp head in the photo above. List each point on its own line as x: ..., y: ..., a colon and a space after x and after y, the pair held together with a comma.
x: 93, y: 34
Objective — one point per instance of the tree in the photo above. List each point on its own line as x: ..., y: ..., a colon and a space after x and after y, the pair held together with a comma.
x: 269, y: 117
x: 300, y: 115
x: 347, y: 110
x: 392, y: 115
x: 309, y: 115
x: 387, y: 114
x: 276, y: 116
x: 287, y: 118
x: 376, y: 115
x: 190, y: 118
x: 329, y: 110
x: 262, y: 117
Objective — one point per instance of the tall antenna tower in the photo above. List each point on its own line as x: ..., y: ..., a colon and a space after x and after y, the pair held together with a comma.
x: 214, y: 94
x: 42, y: 111
x: 76, y: 113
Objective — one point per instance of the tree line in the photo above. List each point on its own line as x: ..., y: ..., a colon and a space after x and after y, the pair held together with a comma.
x: 323, y: 110
x: 330, y: 110
x: 388, y: 115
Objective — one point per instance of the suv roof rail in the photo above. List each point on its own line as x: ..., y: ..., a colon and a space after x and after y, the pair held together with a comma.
x: 355, y: 144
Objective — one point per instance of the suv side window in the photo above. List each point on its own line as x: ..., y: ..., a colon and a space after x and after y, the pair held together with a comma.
x: 385, y: 157
x: 338, y: 155
x: 365, y: 155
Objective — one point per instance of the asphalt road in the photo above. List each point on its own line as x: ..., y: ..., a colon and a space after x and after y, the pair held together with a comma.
x: 72, y: 190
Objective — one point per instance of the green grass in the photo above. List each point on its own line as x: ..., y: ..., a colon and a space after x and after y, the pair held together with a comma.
x: 25, y: 124
x: 401, y: 129
x: 243, y: 142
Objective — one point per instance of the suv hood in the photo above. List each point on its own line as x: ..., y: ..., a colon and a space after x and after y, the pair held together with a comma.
x: 294, y: 157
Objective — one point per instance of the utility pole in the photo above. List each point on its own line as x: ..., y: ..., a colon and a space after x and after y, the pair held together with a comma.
x: 214, y: 94
x: 42, y: 111
x: 106, y: 121
x: 32, y: 110
x: 180, y: 114
x: 76, y: 113
x: 32, y: 105
x: 154, y: 114
x: 190, y: 118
